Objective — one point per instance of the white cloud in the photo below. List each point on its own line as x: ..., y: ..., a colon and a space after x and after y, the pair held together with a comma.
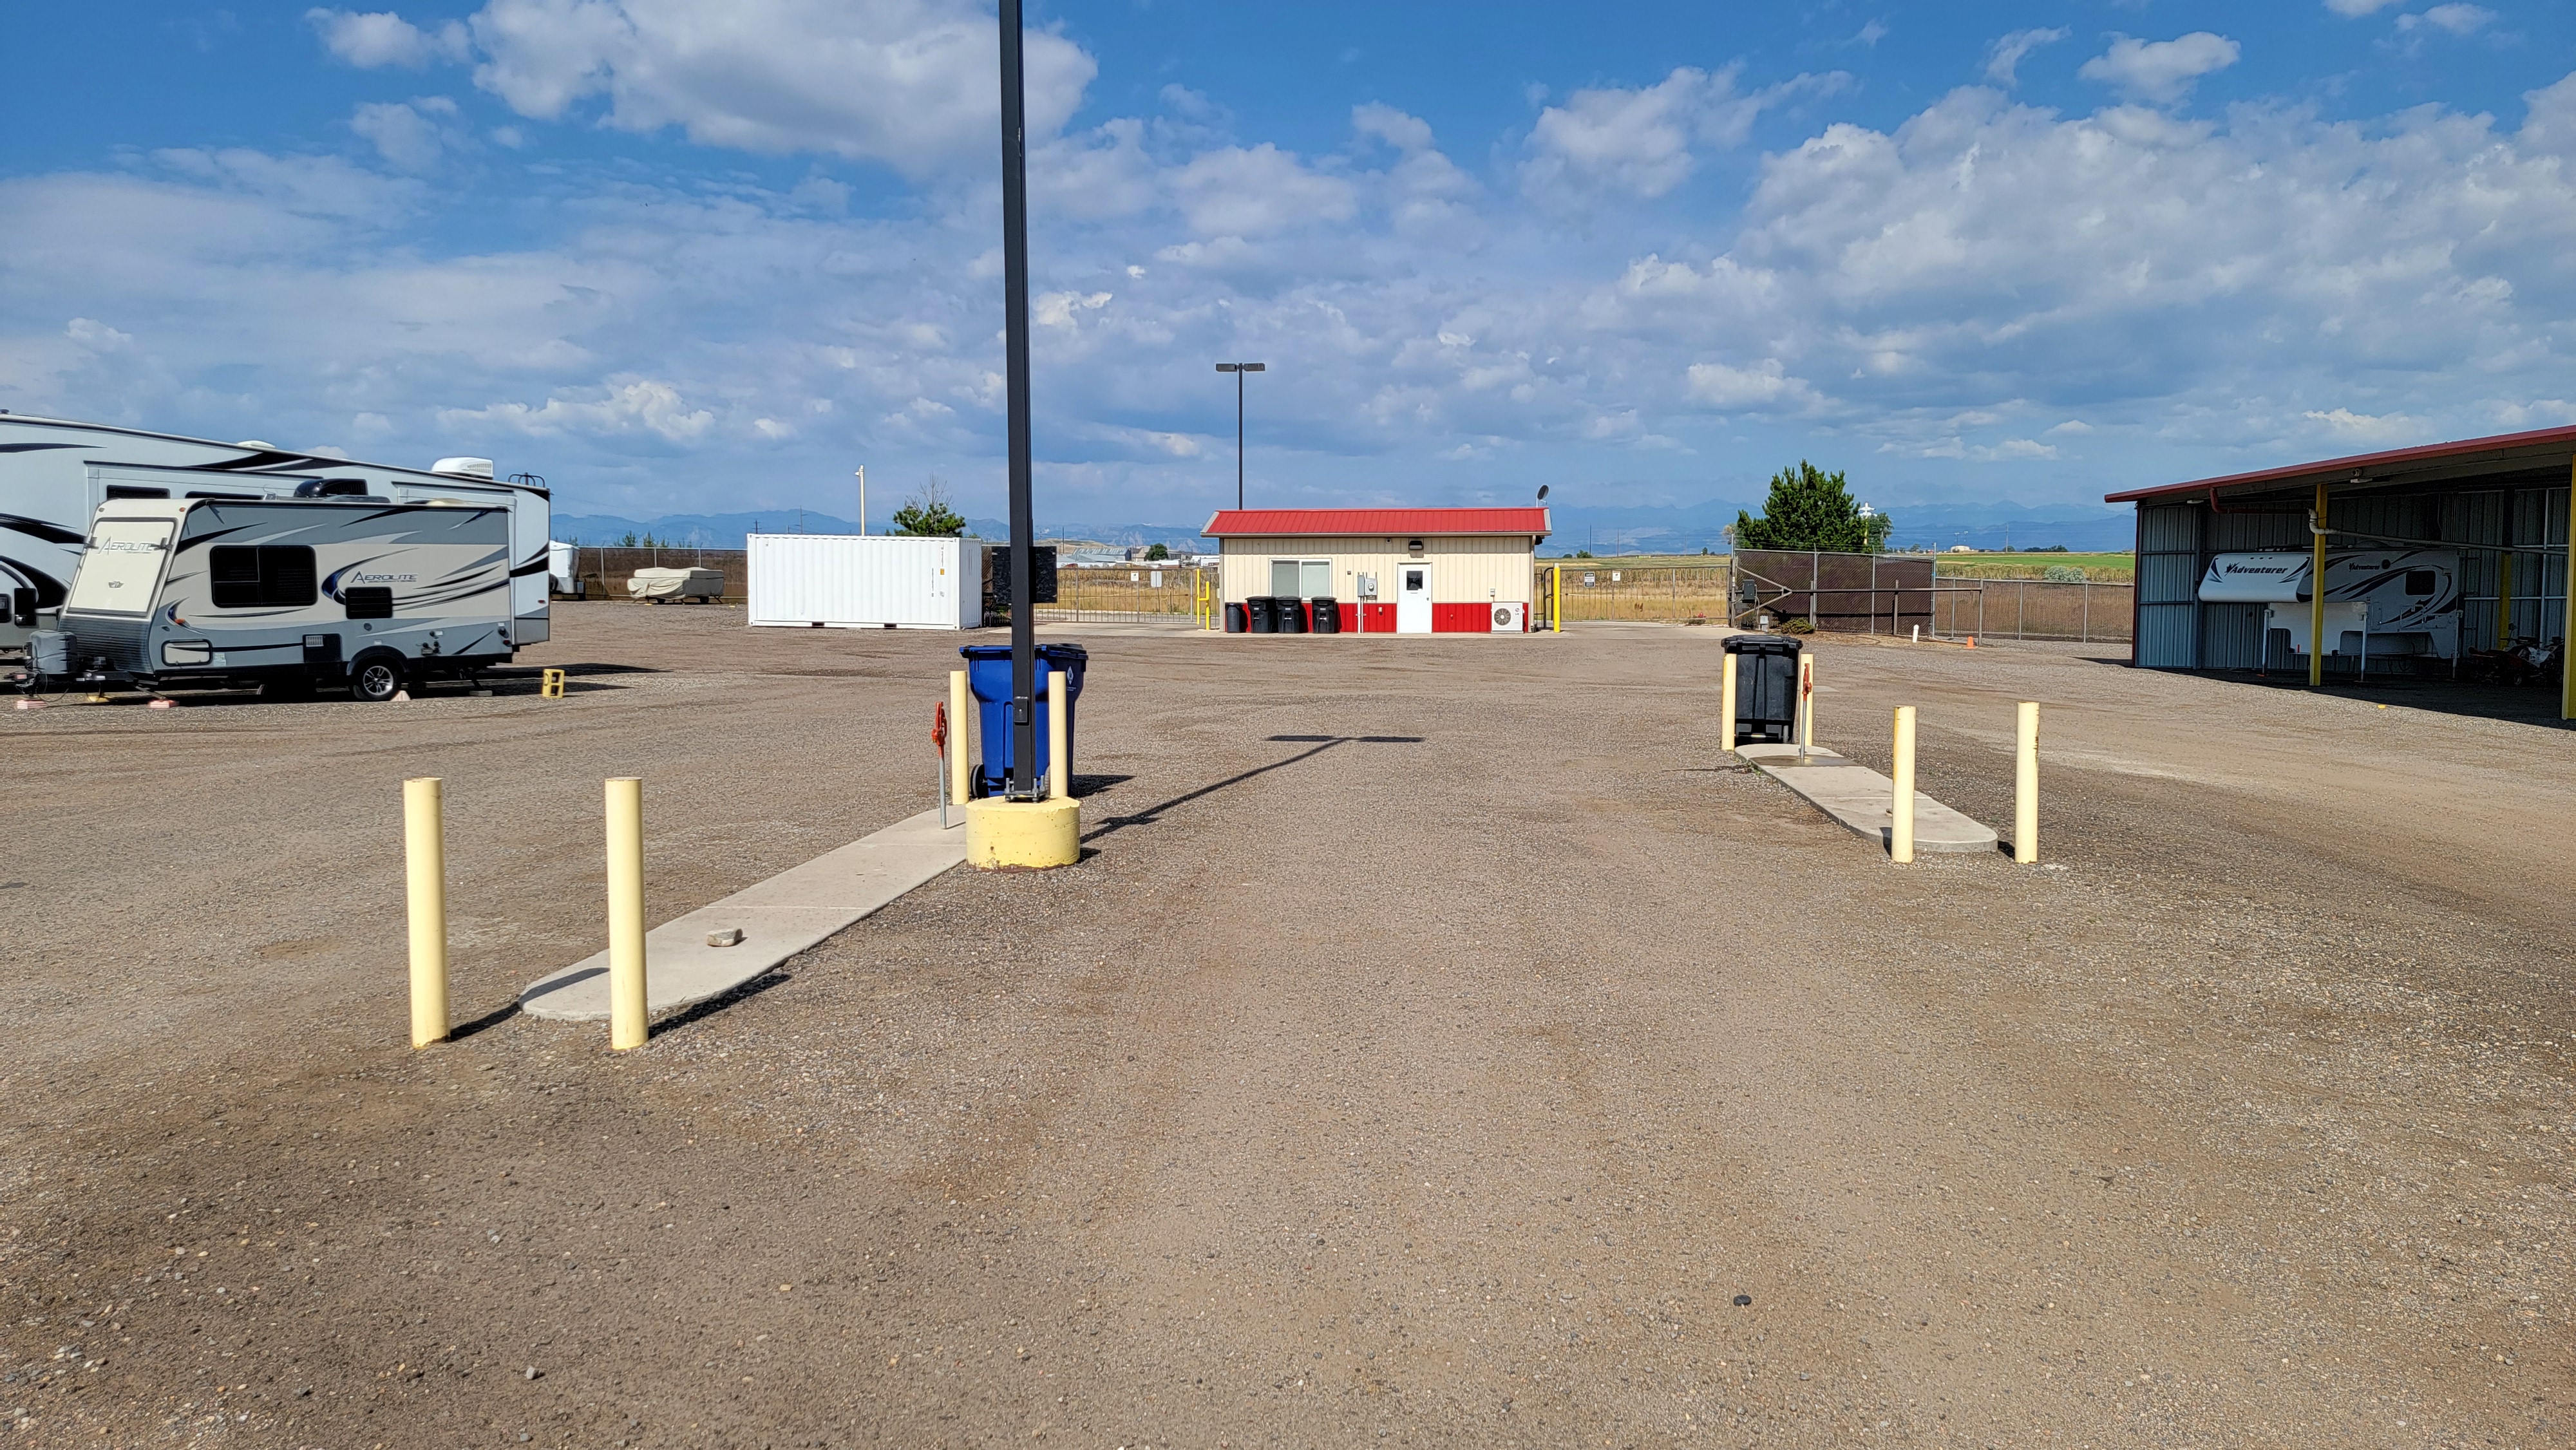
x: 1637, y: 142
x: 908, y: 83
x: 2457, y: 19
x: 624, y: 406
x: 1734, y: 389
x: 382, y: 38
x: 2364, y: 426
x: 407, y: 136
x: 2355, y: 8
x: 96, y: 336
x: 1407, y: 134
x: 2162, y: 71
x: 2004, y: 57
x: 1056, y: 309
x: 1240, y: 192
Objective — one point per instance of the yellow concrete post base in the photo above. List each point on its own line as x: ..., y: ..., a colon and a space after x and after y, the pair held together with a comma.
x: 1003, y: 833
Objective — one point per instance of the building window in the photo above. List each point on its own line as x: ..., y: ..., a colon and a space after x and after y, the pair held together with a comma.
x: 266, y: 576
x: 1301, y: 578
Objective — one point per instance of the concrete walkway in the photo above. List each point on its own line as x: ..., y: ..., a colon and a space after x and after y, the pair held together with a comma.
x: 778, y: 918
x: 1864, y: 800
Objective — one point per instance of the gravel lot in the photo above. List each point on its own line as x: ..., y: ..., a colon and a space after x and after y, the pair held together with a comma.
x: 1437, y: 1045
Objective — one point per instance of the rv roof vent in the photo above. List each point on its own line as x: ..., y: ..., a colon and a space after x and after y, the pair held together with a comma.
x: 255, y: 443
x: 464, y: 467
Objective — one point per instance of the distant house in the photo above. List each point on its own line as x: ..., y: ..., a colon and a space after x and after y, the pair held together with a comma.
x: 1393, y: 571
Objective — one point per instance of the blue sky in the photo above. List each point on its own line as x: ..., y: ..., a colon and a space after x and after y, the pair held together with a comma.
x: 690, y: 258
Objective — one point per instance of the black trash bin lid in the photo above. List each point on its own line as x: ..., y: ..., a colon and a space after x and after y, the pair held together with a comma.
x: 1759, y: 644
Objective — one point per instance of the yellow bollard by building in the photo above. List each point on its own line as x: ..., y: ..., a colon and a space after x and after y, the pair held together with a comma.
x: 425, y: 864
x: 1059, y: 755
x: 629, y: 1020
x: 1900, y: 835
x: 2026, y: 785
x: 1726, y: 704
x: 961, y: 705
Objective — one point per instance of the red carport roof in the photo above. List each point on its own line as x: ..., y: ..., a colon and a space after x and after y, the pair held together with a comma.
x: 2504, y: 450
x: 1386, y: 523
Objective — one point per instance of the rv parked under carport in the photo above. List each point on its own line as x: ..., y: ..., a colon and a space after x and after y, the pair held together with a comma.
x: 2383, y: 530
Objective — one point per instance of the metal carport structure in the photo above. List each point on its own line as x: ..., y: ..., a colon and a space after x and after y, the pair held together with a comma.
x: 2502, y: 501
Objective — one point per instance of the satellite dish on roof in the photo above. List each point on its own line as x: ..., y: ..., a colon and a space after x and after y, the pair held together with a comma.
x: 1542, y: 493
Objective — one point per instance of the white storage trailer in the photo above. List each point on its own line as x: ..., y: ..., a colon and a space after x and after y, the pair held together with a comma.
x: 871, y: 581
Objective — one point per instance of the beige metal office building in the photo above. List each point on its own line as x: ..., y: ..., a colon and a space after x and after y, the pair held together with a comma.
x: 1393, y: 571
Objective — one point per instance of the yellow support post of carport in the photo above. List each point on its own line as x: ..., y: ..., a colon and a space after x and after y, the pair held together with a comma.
x: 2566, y: 676
x: 2317, y: 592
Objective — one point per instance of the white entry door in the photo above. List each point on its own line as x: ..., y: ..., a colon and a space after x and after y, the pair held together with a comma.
x: 1412, y: 598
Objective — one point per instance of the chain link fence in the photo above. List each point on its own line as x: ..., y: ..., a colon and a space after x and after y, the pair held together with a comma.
x: 603, y: 572
x: 2034, y: 609
x: 1131, y: 594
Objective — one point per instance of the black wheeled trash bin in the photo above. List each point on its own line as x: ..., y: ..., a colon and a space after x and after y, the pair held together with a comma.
x: 1766, y: 687
x: 1234, y: 619
x: 1328, y: 615
x: 1259, y: 614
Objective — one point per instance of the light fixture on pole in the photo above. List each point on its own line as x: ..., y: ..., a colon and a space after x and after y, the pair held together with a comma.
x: 863, y: 500
x: 1238, y: 369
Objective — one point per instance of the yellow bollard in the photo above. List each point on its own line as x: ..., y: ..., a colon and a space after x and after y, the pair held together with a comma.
x: 550, y: 685
x: 1059, y: 757
x: 1900, y: 835
x: 629, y: 1021
x: 1726, y: 704
x: 2026, y: 785
x: 961, y: 705
x: 425, y: 863
x: 1806, y: 703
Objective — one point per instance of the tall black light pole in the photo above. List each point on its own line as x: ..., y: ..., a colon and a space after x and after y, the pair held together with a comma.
x: 1023, y: 782
x: 1238, y: 369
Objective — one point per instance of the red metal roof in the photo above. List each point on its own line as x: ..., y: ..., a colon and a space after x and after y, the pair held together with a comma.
x: 2506, y: 448
x: 1386, y: 523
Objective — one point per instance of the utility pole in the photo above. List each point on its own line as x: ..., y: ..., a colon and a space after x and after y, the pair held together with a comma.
x: 1239, y: 369
x: 863, y: 500
x: 1023, y: 784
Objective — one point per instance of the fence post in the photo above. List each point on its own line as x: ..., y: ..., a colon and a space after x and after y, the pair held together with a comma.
x: 2021, y: 605
x: 2087, y: 630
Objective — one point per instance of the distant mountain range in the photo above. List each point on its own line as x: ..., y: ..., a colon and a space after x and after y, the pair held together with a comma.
x: 1670, y: 530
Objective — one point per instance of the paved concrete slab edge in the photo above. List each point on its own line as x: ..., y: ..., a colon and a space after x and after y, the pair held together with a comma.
x: 791, y: 911
x: 1863, y: 800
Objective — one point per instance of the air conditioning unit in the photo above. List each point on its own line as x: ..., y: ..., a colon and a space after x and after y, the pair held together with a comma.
x: 1511, y: 619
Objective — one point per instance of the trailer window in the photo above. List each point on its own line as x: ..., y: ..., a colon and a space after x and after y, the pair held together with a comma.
x: 122, y: 567
x: 266, y: 576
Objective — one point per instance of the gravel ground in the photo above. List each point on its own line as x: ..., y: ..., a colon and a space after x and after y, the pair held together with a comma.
x: 1438, y: 1046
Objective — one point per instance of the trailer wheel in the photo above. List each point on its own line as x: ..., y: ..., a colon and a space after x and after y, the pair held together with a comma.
x: 375, y: 678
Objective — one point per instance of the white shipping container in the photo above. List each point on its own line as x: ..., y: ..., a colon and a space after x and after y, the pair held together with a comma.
x: 875, y: 581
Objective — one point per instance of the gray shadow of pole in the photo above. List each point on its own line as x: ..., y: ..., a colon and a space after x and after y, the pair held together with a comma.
x: 1322, y: 743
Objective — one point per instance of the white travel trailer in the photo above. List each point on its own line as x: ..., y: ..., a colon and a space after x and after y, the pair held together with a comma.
x: 2379, y: 602
x: 54, y: 475
x: 361, y: 593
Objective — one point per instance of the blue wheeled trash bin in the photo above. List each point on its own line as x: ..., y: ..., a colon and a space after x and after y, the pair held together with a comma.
x: 988, y: 674
x: 1766, y: 686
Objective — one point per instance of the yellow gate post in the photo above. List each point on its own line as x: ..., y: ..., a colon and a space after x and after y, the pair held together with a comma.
x: 2504, y: 596
x: 1059, y: 757
x: 2566, y: 676
x: 1726, y: 703
x: 1900, y: 835
x: 628, y: 1017
x: 1556, y: 599
x: 2317, y: 594
x: 425, y: 860
x: 2026, y: 784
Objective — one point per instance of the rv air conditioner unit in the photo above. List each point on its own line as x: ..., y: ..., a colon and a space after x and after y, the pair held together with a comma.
x: 464, y: 467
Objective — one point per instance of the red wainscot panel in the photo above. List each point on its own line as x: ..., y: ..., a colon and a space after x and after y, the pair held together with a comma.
x: 1462, y: 619
x: 1372, y: 618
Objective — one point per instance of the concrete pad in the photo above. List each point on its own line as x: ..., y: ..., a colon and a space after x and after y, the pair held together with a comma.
x: 1864, y: 800
x: 778, y: 918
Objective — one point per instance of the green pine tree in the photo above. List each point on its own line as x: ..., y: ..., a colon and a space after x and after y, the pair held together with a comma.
x: 1809, y: 509
x: 929, y: 514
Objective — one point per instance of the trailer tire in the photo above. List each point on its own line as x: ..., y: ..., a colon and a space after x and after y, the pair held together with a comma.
x: 375, y: 678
